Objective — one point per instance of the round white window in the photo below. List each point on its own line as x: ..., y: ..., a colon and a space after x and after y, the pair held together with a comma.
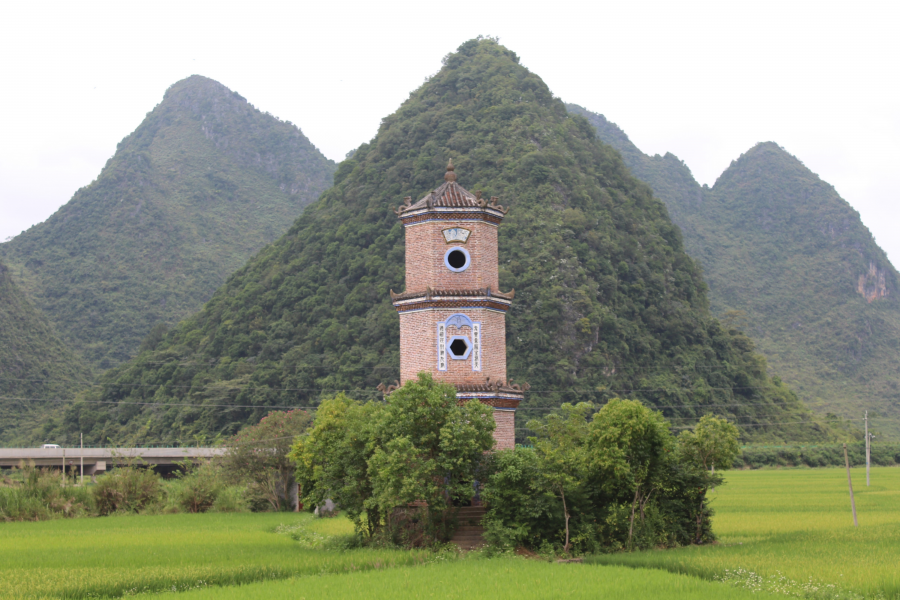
x: 457, y: 259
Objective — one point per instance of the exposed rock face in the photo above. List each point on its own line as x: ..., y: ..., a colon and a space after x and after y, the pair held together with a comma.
x: 873, y: 283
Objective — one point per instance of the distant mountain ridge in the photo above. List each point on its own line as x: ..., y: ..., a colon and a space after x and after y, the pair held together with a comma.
x: 821, y: 299
x: 37, y: 369
x: 607, y: 302
x: 205, y: 181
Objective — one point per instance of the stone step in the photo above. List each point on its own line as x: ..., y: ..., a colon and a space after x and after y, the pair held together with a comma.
x: 469, y: 529
x: 469, y: 542
x: 469, y: 535
x: 473, y: 546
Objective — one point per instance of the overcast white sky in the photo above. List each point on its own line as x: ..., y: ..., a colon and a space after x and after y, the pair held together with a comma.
x: 703, y: 80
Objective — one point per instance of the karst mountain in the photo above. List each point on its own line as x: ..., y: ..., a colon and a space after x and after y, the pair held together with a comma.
x: 791, y: 263
x: 607, y: 301
x: 38, y: 371
x: 203, y: 183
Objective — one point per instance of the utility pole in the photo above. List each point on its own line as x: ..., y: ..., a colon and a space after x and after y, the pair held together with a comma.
x: 850, y: 483
x: 64, y: 467
x: 82, y: 459
x: 868, y: 448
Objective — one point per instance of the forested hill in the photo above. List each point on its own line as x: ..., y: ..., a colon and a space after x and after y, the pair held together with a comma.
x: 607, y: 303
x: 205, y: 181
x: 36, y: 368
x: 776, y: 242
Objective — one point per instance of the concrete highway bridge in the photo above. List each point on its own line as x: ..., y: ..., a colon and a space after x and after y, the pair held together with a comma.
x: 97, y: 460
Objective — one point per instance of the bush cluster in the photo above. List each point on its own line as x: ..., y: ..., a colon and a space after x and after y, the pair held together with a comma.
x: 617, y: 481
x: 823, y: 455
x: 253, y: 474
x: 39, y: 495
x: 32, y: 494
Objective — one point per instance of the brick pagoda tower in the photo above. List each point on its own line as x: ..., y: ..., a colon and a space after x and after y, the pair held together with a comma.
x: 453, y: 316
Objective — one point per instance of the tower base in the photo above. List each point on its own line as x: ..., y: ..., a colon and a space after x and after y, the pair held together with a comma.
x: 504, y: 401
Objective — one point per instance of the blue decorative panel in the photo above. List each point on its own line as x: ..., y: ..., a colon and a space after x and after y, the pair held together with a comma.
x: 459, y: 321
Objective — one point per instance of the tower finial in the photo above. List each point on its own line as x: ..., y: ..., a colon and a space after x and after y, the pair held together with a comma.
x: 450, y: 175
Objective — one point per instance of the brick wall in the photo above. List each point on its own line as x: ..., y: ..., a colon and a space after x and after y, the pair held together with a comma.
x: 505, y: 433
x: 425, y: 249
x: 418, y: 346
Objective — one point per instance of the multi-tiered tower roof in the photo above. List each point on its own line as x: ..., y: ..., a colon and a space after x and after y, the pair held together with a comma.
x: 452, y: 314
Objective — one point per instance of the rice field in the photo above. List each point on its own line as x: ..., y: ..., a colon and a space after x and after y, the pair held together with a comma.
x: 782, y: 533
x: 125, y: 555
x: 793, y: 529
x: 493, y: 579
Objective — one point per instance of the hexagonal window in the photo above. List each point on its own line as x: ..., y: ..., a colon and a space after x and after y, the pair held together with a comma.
x: 458, y: 347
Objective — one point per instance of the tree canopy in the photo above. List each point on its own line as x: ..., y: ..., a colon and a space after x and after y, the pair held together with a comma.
x: 375, y: 461
x: 611, y: 479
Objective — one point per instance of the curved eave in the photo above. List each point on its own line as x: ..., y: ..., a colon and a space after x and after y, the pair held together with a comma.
x: 443, y: 213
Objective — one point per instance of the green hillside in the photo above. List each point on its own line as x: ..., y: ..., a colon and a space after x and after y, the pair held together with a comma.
x: 607, y: 302
x: 203, y: 183
x: 36, y: 367
x: 821, y: 298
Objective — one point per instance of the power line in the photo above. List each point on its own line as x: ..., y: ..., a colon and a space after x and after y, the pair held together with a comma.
x: 296, y: 407
x: 214, y: 361
x: 766, y: 424
x: 773, y: 404
x: 532, y: 392
x: 195, y: 405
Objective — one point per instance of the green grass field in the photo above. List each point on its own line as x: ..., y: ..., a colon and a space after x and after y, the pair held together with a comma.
x: 494, y: 579
x: 787, y: 531
x: 797, y: 524
x: 115, y: 556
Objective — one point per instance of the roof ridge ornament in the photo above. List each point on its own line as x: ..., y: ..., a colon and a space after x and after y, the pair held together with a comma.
x: 450, y: 175
x: 496, y: 206
x: 451, y: 195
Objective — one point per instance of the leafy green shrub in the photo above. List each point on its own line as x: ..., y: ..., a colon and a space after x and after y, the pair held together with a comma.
x: 41, y: 495
x: 127, y: 489
x: 198, y: 487
x: 232, y: 498
x: 521, y: 513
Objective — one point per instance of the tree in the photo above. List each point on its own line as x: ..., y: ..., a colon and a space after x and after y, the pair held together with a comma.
x: 429, y: 449
x: 332, y: 459
x: 629, y: 446
x: 714, y: 441
x: 561, y: 453
x: 421, y: 447
x: 259, y: 455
